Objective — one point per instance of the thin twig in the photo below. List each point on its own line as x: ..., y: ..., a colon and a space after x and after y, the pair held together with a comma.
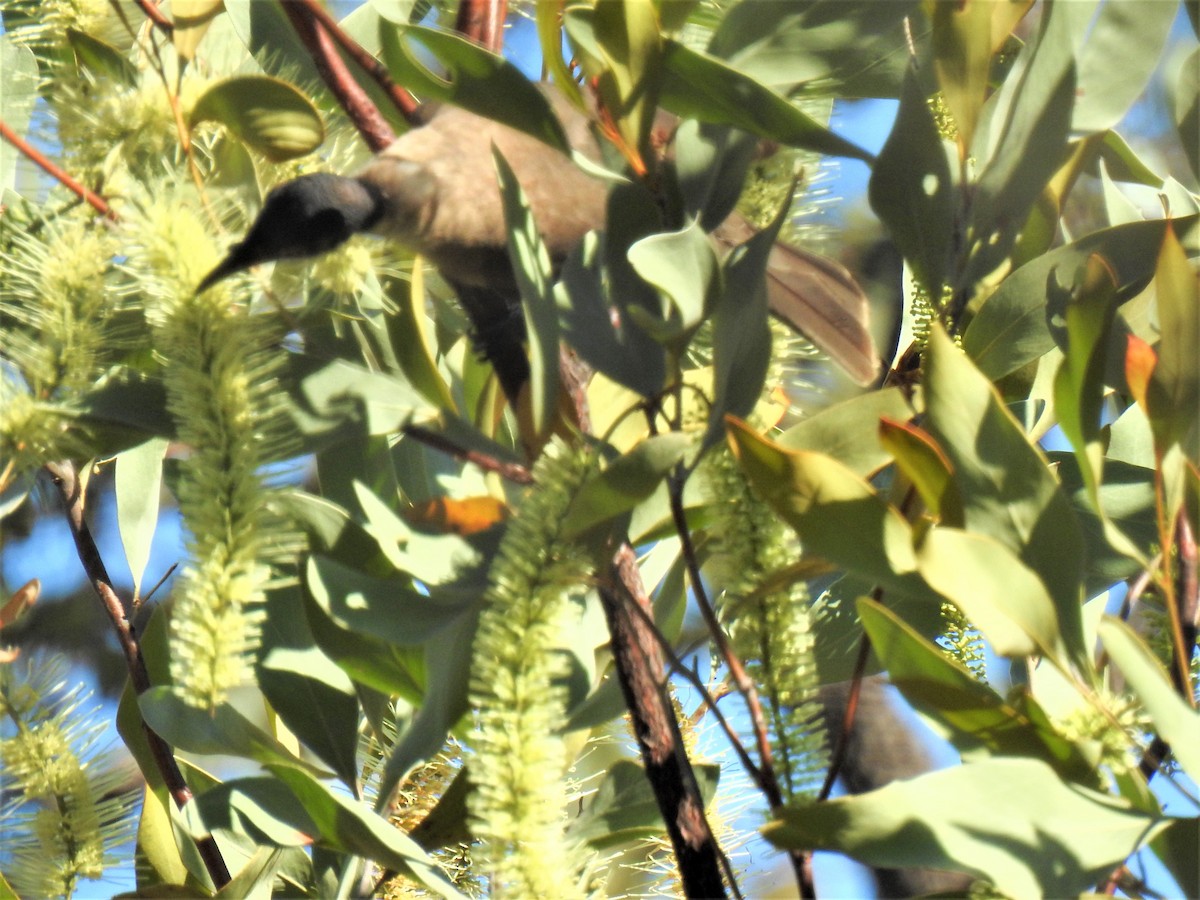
x: 366, y: 117
x: 93, y: 199
x: 154, y: 14
x: 514, y: 472
x: 403, y: 100
x: 843, y: 739
x: 66, y: 480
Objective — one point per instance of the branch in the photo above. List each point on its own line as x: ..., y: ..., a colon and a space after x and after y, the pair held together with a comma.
x: 668, y: 769
x: 483, y: 22
x: 66, y: 480
x: 93, y: 199
x: 154, y: 14
x: 353, y: 99
x: 514, y: 472
x: 404, y: 101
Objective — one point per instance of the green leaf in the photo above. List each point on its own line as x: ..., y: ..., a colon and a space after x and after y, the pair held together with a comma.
x: 1178, y: 846
x: 342, y: 391
x: 838, y: 516
x: 19, y: 88
x: 1015, y: 613
x: 315, y: 698
x: 1174, y: 719
x: 923, y: 463
x: 1041, y: 837
x: 741, y: 332
x: 256, y: 879
x: 847, y: 430
x: 627, y: 71
x: 1008, y: 490
x: 711, y: 162
x: 535, y: 278
x: 409, y: 330
x: 696, y: 86
x: 101, y: 58
x: 911, y: 189
x: 976, y: 716
x: 192, y: 19
x: 852, y: 48
x: 1187, y: 110
x: 221, y: 730
x: 1176, y: 379
x: 1011, y: 328
x: 156, y: 838
x: 475, y: 79
x: 962, y: 56
x: 138, y: 484
x: 682, y: 266
x: 1030, y: 148
x: 333, y: 533
x: 625, y: 482
x: 388, y: 609
x: 625, y: 809
x: 269, y: 115
x: 1133, y: 32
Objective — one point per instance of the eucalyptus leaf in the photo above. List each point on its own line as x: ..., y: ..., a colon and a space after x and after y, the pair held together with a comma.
x: 269, y: 115
x: 138, y: 484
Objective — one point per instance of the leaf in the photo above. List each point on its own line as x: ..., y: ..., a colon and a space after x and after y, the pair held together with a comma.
x: 923, y: 463
x: 626, y: 72
x: 535, y: 277
x: 1176, y: 376
x: 624, y: 807
x: 267, y: 114
x: 1030, y: 148
x: 974, y: 713
x: 192, y: 19
x: 1015, y: 613
x: 838, y: 516
x: 221, y: 730
x: 1178, y: 846
x: 1187, y: 109
x: 962, y: 55
x: 1174, y: 719
x: 853, y: 48
x: 333, y: 533
x: 696, y: 86
x: 1041, y: 837
x: 19, y: 88
x: 475, y: 80
x: 1011, y: 328
x: 156, y: 838
x: 741, y: 332
x: 625, y: 482
x: 682, y: 266
x: 100, y: 58
x: 341, y: 391
x: 1133, y: 32
x: 18, y: 604
x: 256, y: 878
x: 409, y: 329
x: 847, y: 430
x: 911, y: 188
x: 138, y: 484
x: 314, y: 698
x: 1008, y: 491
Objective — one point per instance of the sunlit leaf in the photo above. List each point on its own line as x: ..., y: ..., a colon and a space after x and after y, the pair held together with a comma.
x: 267, y: 114
x: 138, y: 484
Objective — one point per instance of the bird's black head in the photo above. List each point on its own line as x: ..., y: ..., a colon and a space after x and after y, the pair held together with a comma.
x: 304, y: 217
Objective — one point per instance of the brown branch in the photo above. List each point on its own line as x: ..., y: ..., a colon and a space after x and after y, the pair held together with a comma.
x: 66, y: 480
x: 668, y: 769
x: 404, y: 101
x: 154, y: 14
x: 514, y: 472
x: 93, y: 199
x: 366, y: 117
x: 843, y: 739
x: 483, y: 22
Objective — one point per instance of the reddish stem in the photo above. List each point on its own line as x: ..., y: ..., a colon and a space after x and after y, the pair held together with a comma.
x: 93, y: 199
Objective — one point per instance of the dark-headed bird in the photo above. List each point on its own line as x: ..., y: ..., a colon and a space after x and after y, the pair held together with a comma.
x: 434, y: 191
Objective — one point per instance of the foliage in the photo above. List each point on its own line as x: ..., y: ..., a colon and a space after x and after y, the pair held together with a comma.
x: 436, y: 582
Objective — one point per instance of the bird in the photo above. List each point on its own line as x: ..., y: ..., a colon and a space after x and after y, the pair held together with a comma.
x: 434, y: 192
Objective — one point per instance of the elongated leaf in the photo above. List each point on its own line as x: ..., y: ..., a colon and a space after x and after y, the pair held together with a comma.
x: 1015, y: 613
x: 1177, y: 377
x: 269, y: 115
x: 962, y: 55
x: 926, y: 466
x: 975, y: 714
x: 1041, y: 837
x: 101, y: 58
x: 1174, y: 719
x: 341, y: 391
x: 1011, y: 328
x: 138, y: 484
x: 192, y: 19
x: 1187, y: 110
x: 625, y: 482
x: 1008, y: 490
x: 19, y: 90
x: 847, y: 430
x: 700, y: 87
x: 531, y: 266
x: 683, y: 267
x: 1178, y: 846
x: 911, y: 189
x: 223, y: 730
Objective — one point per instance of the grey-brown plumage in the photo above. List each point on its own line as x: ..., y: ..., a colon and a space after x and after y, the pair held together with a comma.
x: 434, y: 191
